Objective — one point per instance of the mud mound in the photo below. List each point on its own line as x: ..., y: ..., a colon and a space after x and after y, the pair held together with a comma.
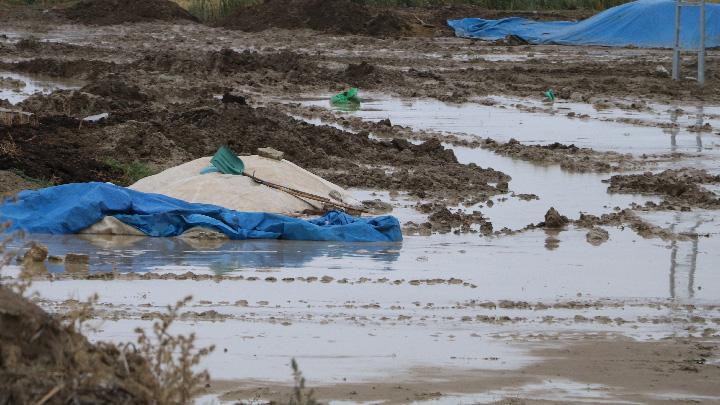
x: 40, y: 357
x: 226, y: 61
x: 569, y: 157
x: 681, y: 187
x: 116, y: 89
x: 56, y: 150
x: 338, y: 16
x: 96, y: 98
x: 81, y: 68
x: 65, y: 102
x: 111, y: 12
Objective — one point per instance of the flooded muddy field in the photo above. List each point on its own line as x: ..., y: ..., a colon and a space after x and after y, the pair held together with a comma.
x: 553, y: 252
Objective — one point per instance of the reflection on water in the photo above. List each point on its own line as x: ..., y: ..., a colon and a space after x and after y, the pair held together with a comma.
x: 683, y: 263
x: 611, y: 129
x: 140, y: 254
x: 25, y: 85
x: 675, y: 129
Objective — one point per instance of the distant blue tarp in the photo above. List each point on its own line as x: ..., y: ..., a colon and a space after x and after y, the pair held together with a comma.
x: 643, y: 23
x: 71, y: 208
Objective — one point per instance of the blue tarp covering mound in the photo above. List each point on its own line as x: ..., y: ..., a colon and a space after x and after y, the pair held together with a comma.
x: 643, y: 23
x: 71, y: 208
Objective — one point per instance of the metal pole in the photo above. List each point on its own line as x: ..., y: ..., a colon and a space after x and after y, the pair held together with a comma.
x: 676, y: 49
x: 701, y: 49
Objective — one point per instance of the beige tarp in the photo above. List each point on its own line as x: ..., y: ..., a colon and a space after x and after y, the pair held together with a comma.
x: 238, y: 193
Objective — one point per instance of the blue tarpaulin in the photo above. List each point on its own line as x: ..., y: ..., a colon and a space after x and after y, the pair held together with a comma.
x: 71, y: 208
x: 643, y: 23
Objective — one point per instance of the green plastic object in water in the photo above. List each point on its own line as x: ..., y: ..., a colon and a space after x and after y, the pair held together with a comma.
x: 349, y: 96
x: 550, y: 95
x: 227, y: 162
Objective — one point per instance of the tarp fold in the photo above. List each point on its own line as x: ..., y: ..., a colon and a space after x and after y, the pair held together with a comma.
x: 642, y: 23
x: 70, y: 208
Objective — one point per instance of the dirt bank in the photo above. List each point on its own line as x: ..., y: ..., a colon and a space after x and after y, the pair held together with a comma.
x: 42, y: 359
x: 570, y: 157
x: 337, y: 17
x: 110, y: 12
x: 171, y: 134
x: 682, y: 188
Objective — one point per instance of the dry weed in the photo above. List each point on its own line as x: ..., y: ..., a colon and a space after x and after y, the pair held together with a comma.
x: 9, y: 148
x: 173, y: 358
x: 300, y: 395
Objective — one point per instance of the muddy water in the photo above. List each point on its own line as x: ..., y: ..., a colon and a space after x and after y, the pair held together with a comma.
x: 377, y: 310
x: 503, y: 121
x: 33, y: 84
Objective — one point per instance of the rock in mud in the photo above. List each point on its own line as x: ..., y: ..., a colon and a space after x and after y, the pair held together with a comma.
x: 377, y: 206
x: 77, y: 258
x: 442, y: 220
x: 270, y: 153
x: 554, y: 220
x: 37, y: 253
x: 228, y: 98
x: 597, y: 236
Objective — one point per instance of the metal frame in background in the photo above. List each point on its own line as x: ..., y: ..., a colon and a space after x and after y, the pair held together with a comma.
x: 679, y: 4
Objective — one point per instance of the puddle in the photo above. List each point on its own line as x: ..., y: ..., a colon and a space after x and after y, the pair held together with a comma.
x: 520, y: 267
x: 569, y: 193
x: 21, y: 86
x: 505, y: 123
x: 548, y: 390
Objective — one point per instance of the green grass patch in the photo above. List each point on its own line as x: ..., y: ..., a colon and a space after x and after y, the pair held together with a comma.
x: 132, y: 171
x: 42, y: 183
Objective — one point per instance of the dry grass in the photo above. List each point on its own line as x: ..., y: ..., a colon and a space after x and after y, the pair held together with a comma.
x: 173, y: 359
x: 213, y: 10
x: 9, y: 149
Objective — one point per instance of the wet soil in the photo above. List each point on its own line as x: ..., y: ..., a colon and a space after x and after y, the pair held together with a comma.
x: 568, y: 157
x: 682, y: 188
x: 40, y: 358
x: 348, y: 17
x: 110, y: 12
x: 627, y: 370
x: 169, y: 135
x: 338, y: 17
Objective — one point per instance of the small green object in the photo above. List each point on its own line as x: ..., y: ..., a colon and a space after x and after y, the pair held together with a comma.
x: 227, y: 162
x: 349, y: 96
x: 550, y: 94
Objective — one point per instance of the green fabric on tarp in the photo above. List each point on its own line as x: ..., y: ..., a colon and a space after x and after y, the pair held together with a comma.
x: 227, y: 162
x: 346, y: 97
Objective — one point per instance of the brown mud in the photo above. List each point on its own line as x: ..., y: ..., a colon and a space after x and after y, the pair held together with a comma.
x: 571, y: 157
x: 43, y: 361
x: 682, y: 189
x: 628, y: 370
x: 160, y: 85
x: 171, y: 134
x: 337, y: 17
x: 110, y: 12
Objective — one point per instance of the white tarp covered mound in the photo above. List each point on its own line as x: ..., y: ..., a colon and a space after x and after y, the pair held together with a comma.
x: 235, y: 192
x: 241, y: 193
